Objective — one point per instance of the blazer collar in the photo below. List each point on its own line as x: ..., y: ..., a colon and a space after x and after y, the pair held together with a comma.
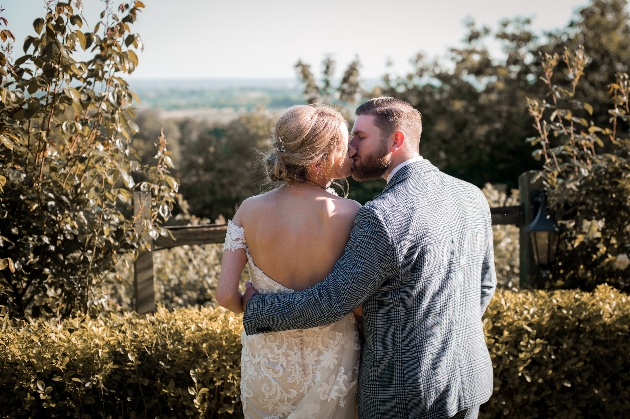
x: 417, y: 168
x: 401, y: 165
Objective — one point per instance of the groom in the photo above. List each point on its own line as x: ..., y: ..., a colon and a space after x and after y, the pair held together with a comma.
x: 420, y: 261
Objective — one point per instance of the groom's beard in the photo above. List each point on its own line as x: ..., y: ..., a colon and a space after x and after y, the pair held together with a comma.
x: 372, y: 166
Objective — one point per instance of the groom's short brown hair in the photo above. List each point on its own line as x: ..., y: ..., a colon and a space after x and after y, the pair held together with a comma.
x: 393, y: 114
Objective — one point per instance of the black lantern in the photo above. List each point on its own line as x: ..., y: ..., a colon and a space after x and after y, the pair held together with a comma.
x: 543, y: 233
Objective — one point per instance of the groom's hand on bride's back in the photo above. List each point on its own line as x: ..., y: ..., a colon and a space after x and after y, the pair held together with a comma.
x: 249, y: 291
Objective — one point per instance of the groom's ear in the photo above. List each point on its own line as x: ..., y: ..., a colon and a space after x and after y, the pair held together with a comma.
x: 398, y: 140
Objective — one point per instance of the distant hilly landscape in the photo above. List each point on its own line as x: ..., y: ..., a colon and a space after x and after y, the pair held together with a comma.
x: 218, y: 98
x: 237, y: 95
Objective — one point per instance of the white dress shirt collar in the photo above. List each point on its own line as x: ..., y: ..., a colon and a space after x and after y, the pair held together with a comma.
x: 401, y: 165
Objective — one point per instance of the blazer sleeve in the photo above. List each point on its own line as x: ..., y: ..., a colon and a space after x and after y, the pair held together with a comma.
x: 368, y: 260
x: 488, y: 273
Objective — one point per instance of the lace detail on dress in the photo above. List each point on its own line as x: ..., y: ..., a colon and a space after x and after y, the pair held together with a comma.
x: 261, y: 281
x: 296, y: 374
x: 235, y: 237
x: 309, y: 373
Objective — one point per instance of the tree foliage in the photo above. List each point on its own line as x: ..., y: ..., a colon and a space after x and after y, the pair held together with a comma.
x: 227, y: 167
x: 66, y: 166
x: 476, y: 126
x: 603, y: 30
x: 219, y: 164
x: 347, y: 93
x: 474, y: 120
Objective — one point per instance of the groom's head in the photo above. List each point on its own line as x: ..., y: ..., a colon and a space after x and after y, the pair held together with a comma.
x: 385, y: 133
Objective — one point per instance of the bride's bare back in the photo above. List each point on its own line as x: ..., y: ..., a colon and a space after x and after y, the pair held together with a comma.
x: 296, y: 233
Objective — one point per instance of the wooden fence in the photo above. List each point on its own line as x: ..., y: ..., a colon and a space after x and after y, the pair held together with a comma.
x: 519, y: 215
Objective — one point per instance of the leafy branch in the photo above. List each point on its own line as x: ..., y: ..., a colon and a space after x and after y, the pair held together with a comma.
x: 67, y: 166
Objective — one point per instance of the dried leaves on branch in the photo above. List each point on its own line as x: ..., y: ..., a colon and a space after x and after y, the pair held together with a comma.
x: 586, y: 169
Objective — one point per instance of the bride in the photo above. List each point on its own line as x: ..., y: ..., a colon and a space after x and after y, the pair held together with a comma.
x: 291, y: 238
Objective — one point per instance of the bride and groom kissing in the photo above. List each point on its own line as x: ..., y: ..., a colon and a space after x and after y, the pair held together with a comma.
x: 415, y: 264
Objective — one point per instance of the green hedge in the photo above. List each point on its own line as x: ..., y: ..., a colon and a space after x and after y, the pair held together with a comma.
x: 561, y: 354
x: 564, y: 354
x: 173, y: 364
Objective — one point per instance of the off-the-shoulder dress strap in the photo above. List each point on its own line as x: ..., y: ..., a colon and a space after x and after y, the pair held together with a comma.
x: 235, y: 237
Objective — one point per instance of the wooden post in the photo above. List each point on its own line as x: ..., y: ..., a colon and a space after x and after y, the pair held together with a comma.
x: 530, y: 273
x: 143, y: 266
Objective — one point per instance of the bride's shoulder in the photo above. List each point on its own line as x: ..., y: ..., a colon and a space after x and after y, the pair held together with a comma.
x: 255, y: 204
x: 255, y: 201
x: 350, y: 204
x: 345, y: 207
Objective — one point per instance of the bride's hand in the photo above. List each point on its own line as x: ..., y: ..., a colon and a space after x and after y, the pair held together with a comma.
x: 249, y: 291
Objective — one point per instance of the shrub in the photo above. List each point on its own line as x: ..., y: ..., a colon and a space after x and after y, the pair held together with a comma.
x: 66, y: 163
x: 561, y: 354
x: 172, y: 364
x: 586, y: 170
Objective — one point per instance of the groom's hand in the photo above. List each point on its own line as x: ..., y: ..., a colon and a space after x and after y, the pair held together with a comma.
x: 249, y: 291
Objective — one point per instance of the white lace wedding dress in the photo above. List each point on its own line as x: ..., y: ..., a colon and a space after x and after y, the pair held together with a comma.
x: 296, y: 374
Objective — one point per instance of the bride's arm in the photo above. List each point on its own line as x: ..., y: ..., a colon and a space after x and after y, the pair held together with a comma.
x: 228, y: 294
x: 234, y: 260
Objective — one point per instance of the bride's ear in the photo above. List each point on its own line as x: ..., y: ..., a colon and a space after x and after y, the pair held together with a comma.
x: 315, y: 168
x: 316, y: 171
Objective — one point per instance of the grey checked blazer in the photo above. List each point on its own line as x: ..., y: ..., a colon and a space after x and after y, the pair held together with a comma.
x: 420, y: 259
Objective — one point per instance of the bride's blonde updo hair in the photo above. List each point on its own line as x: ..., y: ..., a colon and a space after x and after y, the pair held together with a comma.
x: 303, y: 135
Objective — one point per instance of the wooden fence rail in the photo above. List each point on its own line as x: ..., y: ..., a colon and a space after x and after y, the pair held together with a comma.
x: 509, y: 215
x: 518, y: 215
x: 189, y: 235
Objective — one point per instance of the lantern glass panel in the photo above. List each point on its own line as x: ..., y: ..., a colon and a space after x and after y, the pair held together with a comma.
x: 541, y: 243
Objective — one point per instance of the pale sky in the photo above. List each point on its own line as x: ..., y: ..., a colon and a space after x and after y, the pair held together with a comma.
x: 265, y: 38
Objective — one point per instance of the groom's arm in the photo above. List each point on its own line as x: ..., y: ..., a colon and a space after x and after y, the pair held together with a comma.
x: 369, y: 259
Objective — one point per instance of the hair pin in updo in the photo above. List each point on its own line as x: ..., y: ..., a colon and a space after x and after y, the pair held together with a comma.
x: 280, y: 145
